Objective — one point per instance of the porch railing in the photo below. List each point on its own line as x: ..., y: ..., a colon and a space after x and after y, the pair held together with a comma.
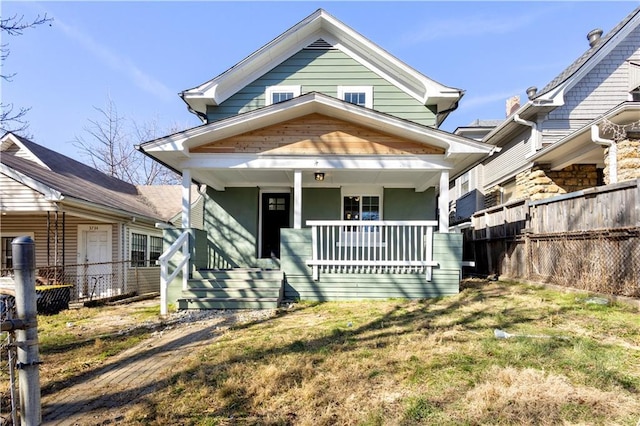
x: 381, y: 246
x: 183, y: 265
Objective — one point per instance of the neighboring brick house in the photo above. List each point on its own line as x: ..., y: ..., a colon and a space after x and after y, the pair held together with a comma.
x: 558, y: 141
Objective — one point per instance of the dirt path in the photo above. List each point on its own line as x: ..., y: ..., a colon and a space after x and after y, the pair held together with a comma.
x: 102, y: 396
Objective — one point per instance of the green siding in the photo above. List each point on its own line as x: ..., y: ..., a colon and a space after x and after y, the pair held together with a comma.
x: 320, y: 204
x: 407, y: 204
x: 231, y: 223
x: 229, y: 240
x: 323, y: 71
x: 296, y: 250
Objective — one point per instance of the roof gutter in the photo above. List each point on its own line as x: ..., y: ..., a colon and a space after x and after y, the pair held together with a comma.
x: 446, y: 112
x: 176, y: 171
x: 100, y: 211
x: 202, y: 116
x: 613, y: 152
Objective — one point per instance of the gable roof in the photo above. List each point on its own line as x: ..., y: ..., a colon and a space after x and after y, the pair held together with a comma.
x: 176, y: 151
x: 63, y: 179
x: 605, y: 44
x: 552, y: 95
x: 320, y: 27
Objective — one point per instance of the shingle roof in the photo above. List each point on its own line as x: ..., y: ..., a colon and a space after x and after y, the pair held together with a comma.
x: 167, y: 199
x: 484, y: 123
x: 578, y: 63
x: 77, y: 180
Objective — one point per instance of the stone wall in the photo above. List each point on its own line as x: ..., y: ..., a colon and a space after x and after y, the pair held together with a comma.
x: 628, y: 159
x: 540, y: 182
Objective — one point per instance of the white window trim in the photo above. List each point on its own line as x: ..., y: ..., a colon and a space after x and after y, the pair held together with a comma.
x: 367, y: 90
x: 461, y: 182
x: 361, y: 191
x: 280, y: 89
x: 147, y: 256
x: 14, y: 235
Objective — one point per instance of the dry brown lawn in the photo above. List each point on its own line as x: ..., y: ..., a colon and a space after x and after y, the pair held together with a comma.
x: 395, y: 362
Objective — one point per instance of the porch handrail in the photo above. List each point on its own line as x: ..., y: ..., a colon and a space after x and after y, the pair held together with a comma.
x: 165, y: 277
x: 348, y: 245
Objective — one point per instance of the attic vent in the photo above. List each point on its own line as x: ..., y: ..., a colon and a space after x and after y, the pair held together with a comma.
x: 319, y: 44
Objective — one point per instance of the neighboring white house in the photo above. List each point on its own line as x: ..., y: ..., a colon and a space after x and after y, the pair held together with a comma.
x: 90, y: 229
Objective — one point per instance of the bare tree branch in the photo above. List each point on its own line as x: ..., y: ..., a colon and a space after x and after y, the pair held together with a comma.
x: 110, y: 147
x: 15, y: 26
x: 11, y: 121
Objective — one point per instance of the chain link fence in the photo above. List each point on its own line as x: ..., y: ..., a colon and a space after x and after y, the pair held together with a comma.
x: 8, y: 393
x: 92, y: 282
x: 602, y: 261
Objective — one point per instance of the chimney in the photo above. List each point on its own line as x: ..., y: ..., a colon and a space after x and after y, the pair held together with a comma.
x: 594, y: 36
x: 513, y: 104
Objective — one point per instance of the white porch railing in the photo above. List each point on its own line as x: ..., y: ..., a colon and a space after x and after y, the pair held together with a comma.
x: 379, y: 246
x: 165, y: 277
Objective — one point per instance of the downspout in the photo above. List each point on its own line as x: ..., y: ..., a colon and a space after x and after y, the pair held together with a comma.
x: 534, y: 132
x: 613, y: 152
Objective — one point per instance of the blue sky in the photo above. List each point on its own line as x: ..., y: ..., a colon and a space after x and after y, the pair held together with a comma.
x: 142, y: 54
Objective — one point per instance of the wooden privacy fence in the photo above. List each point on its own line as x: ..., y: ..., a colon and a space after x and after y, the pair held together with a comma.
x: 587, y: 239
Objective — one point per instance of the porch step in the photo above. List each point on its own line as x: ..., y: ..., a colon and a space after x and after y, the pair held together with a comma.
x: 226, y: 292
x: 233, y: 289
x: 228, y: 303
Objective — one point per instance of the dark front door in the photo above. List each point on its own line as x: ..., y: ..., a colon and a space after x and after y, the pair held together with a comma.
x: 275, y: 216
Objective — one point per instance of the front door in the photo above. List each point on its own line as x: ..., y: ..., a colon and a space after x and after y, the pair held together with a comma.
x: 95, y: 270
x: 275, y: 216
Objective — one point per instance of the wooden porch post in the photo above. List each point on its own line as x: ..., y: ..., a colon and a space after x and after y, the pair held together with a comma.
x: 186, y: 199
x: 297, y: 199
x: 443, y: 202
x: 186, y: 222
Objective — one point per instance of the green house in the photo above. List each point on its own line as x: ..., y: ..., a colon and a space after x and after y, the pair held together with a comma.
x: 325, y: 175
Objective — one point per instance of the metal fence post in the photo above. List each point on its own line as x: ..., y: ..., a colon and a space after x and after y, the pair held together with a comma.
x: 23, y: 250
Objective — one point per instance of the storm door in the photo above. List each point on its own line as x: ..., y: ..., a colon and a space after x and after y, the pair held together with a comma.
x: 275, y: 216
x: 94, y: 258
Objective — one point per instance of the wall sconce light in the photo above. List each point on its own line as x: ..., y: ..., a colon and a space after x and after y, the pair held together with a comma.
x: 319, y: 176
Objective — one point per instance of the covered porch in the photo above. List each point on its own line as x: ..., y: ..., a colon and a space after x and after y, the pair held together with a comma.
x: 343, y: 200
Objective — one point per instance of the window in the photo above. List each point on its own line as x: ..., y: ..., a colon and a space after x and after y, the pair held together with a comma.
x: 634, y: 82
x: 7, y: 253
x: 361, y: 208
x: 464, y: 184
x: 276, y: 94
x: 277, y: 204
x: 155, y: 250
x: 6, y: 249
x: 358, y: 95
x: 145, y: 250
x: 138, y: 250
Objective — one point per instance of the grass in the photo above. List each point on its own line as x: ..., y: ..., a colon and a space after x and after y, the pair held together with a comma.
x: 399, y: 362
x: 80, y: 340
